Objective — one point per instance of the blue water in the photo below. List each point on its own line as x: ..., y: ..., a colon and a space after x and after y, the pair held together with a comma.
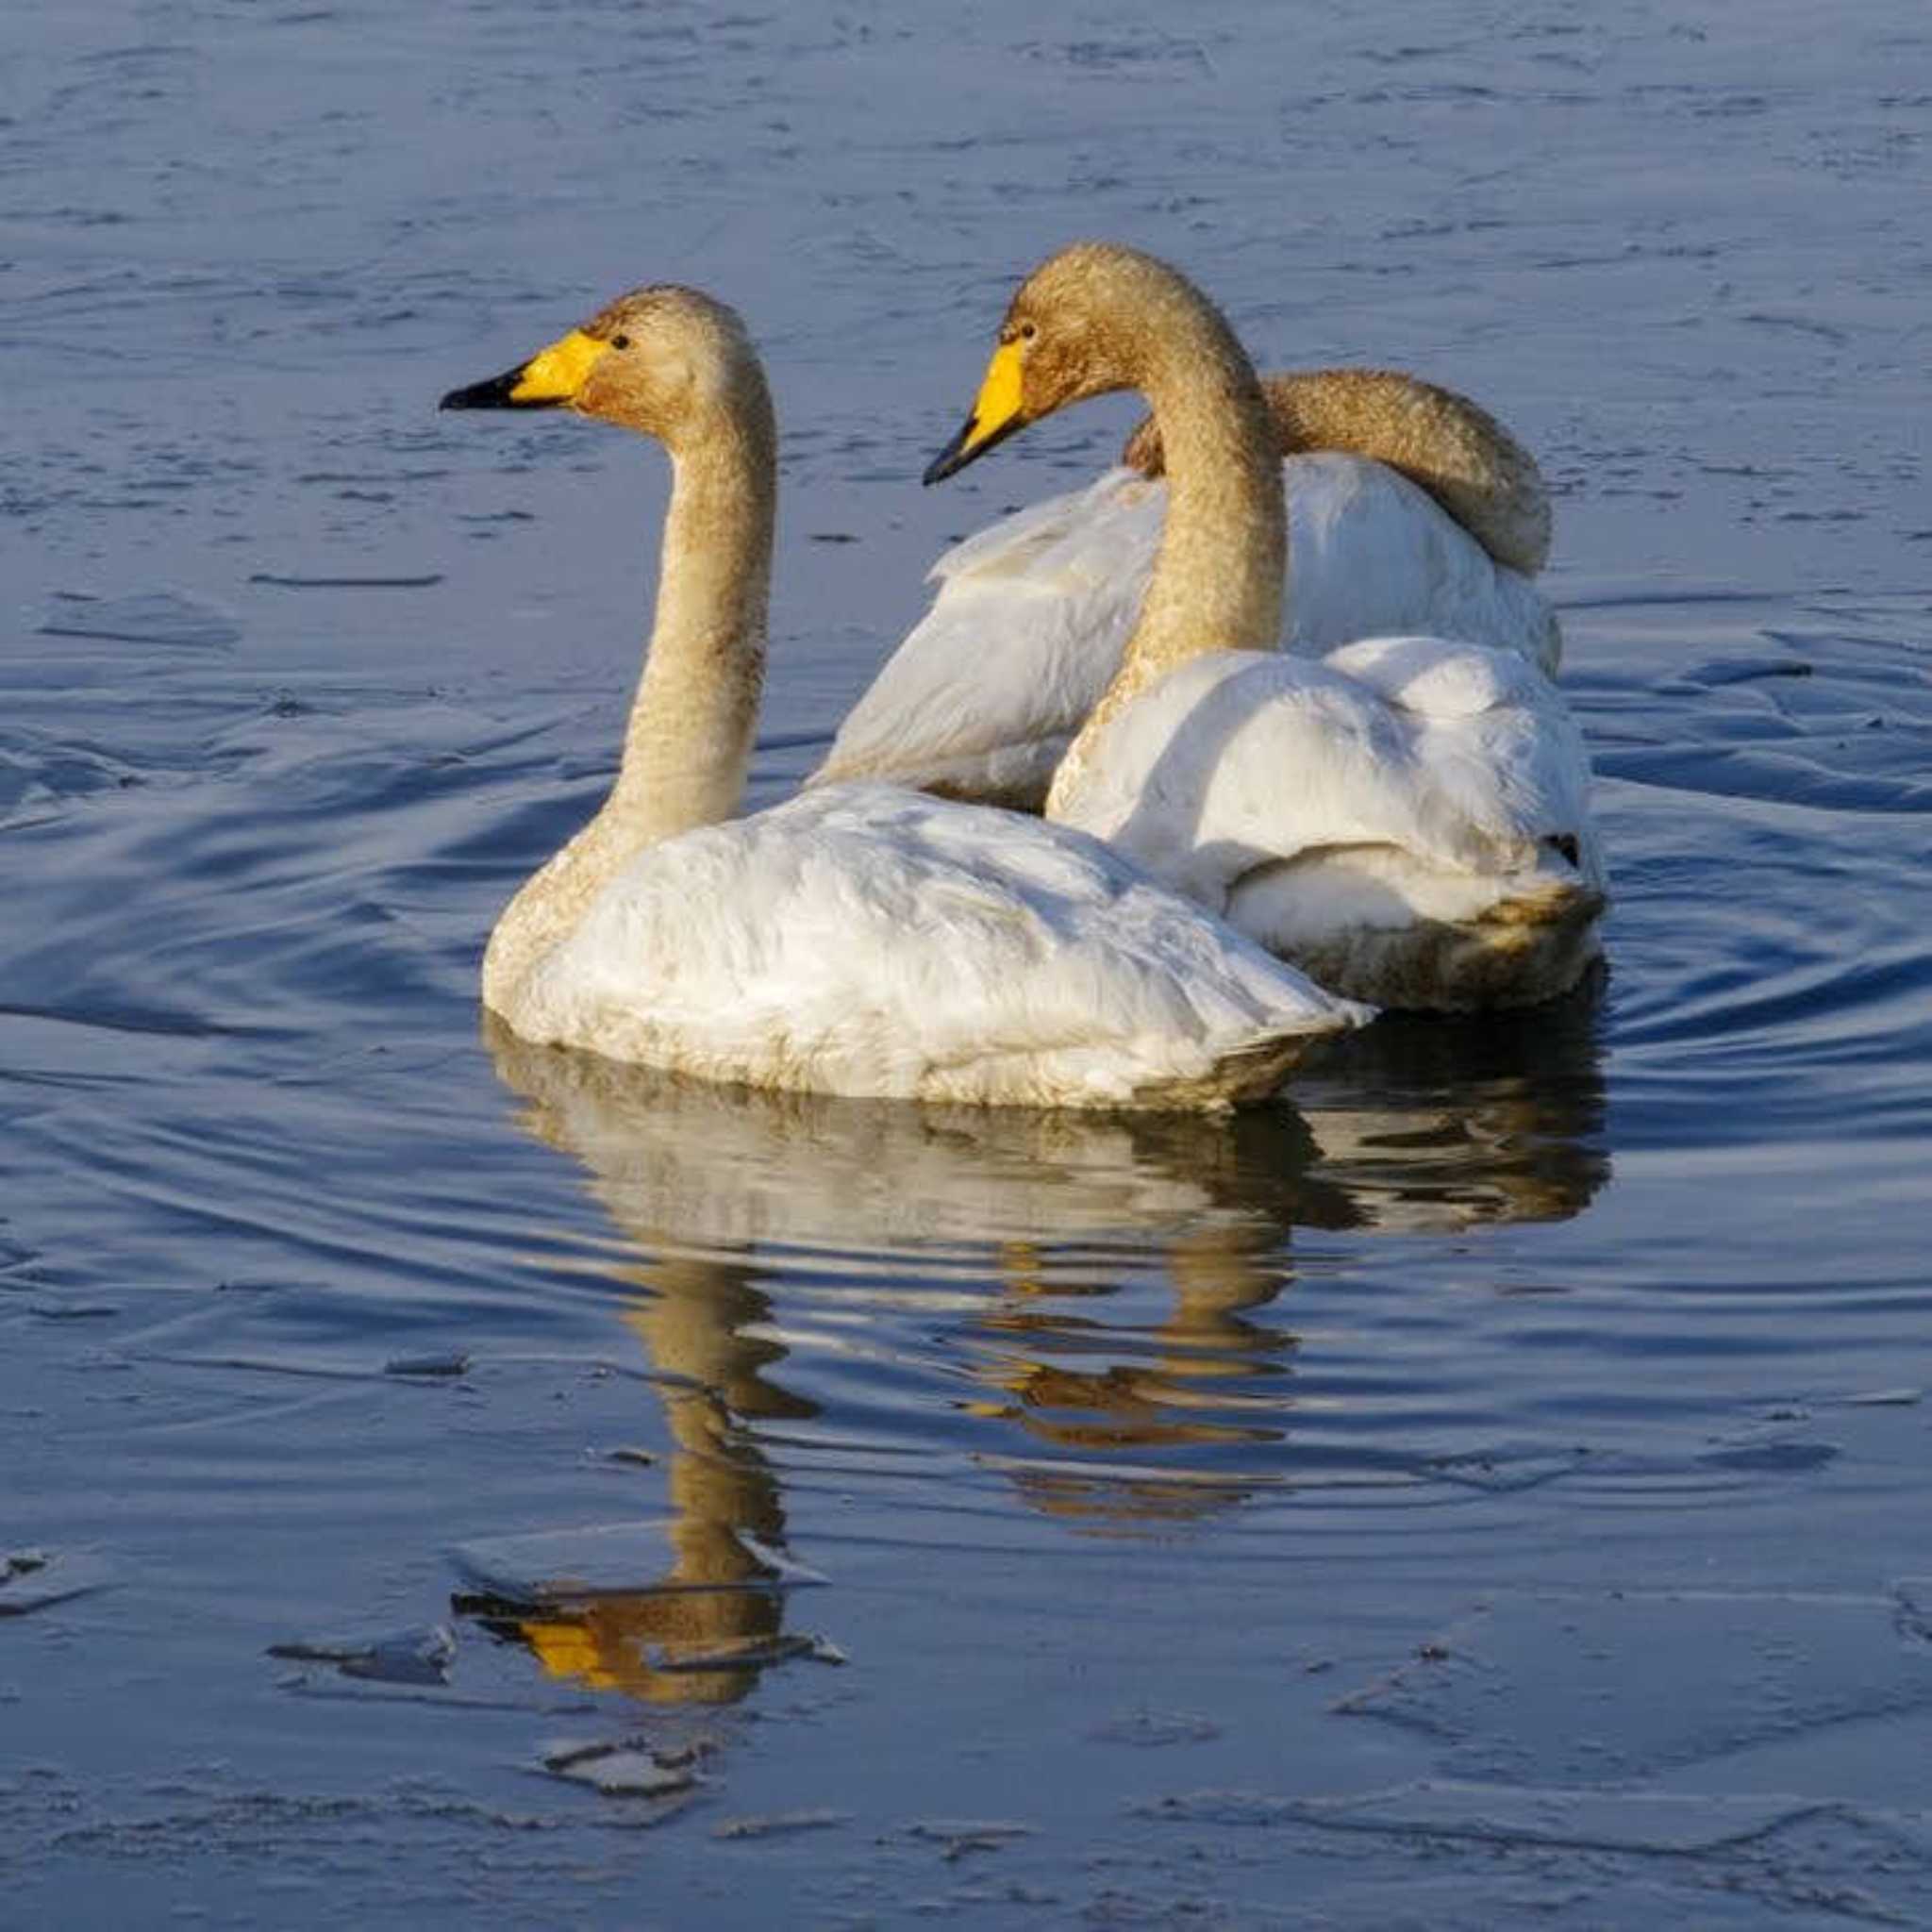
x: 1489, y: 1489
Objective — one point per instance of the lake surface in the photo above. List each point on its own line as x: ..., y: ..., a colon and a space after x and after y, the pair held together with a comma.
x: 1489, y: 1489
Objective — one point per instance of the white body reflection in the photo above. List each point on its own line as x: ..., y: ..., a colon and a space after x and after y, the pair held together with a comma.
x: 774, y: 1229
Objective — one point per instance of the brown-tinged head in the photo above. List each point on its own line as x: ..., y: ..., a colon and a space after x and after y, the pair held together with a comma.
x: 661, y: 360
x: 1082, y: 324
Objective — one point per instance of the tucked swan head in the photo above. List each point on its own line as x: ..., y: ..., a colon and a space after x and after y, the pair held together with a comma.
x: 669, y: 361
x: 1095, y: 318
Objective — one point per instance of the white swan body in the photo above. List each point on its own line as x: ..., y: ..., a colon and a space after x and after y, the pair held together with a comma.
x: 868, y: 939
x: 1407, y: 818
x: 1407, y: 812
x: 865, y: 940
x: 1032, y: 613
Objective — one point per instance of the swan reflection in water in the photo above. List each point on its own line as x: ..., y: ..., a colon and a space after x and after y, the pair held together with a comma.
x: 710, y: 1619
x: 1006, y: 1234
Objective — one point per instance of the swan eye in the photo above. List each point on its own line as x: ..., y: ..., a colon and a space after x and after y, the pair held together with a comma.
x: 620, y: 342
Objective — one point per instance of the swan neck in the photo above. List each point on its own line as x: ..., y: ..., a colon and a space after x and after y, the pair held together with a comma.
x: 1217, y: 581
x: 1219, y: 575
x: 1443, y: 442
x: 688, y: 742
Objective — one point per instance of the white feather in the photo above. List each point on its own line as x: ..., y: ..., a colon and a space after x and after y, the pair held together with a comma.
x: 1032, y: 614
x: 1340, y: 810
x: 866, y: 939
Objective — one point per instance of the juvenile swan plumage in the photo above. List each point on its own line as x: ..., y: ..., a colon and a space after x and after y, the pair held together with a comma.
x: 1407, y: 818
x: 1409, y: 509
x: 864, y: 940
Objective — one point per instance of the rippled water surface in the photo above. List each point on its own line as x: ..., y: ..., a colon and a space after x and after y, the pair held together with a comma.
x: 448, y: 1485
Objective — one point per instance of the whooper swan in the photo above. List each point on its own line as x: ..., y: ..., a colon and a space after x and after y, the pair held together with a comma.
x: 1408, y: 818
x: 864, y: 940
x: 1409, y: 509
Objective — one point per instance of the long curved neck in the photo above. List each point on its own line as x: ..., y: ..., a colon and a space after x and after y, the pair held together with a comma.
x: 1219, y: 575
x: 686, y: 746
x: 1450, y: 446
x: 1456, y: 451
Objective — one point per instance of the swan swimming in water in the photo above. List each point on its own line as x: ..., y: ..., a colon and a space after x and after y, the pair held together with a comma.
x: 1408, y: 818
x: 1409, y: 509
x: 863, y: 940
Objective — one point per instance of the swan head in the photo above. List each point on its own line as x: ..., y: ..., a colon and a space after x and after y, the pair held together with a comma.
x: 1085, y: 321
x: 663, y: 359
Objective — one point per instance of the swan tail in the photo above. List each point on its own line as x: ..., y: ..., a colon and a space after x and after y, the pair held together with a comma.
x: 1534, y: 945
x: 1241, y: 1077
x: 1549, y: 904
x: 1530, y: 943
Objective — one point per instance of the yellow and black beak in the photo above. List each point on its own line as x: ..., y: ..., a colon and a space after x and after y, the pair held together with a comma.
x: 551, y: 379
x: 996, y: 414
